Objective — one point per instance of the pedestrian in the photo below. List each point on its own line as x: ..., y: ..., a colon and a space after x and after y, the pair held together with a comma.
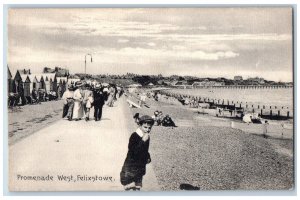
x: 68, y: 102
x: 111, y: 96
x: 78, y: 98
x: 142, y: 99
x: 99, y: 101
x: 156, y: 118
x: 88, y: 99
x: 34, y: 95
x: 134, y: 167
x: 136, y: 117
x: 167, y: 121
x: 59, y: 92
x: 265, y: 128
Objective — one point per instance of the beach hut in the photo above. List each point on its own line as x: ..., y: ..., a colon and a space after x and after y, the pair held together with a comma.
x: 34, y: 83
x: 50, y: 81
x: 40, y: 81
x: 26, y: 84
x: 62, y: 83
x: 17, y: 83
x: 9, y: 81
x: 53, y: 82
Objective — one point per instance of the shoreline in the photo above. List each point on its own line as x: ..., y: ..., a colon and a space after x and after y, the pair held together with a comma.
x: 268, y: 111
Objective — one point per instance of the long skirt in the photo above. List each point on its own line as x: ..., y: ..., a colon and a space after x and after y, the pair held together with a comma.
x: 110, y: 100
x: 78, y: 110
x: 68, y: 108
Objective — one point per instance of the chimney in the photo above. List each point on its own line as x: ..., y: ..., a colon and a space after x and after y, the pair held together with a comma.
x: 29, y: 72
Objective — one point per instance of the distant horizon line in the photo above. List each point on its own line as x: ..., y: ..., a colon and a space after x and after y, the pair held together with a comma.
x: 164, y: 75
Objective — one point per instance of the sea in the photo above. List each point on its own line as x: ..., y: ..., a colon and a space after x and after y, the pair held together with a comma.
x: 280, y: 97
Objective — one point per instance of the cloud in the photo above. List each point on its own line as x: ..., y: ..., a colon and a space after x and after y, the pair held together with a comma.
x: 179, y: 55
x: 151, y: 44
x: 123, y: 40
x: 234, y: 38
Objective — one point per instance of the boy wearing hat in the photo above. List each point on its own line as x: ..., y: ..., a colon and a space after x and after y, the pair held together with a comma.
x: 134, y: 167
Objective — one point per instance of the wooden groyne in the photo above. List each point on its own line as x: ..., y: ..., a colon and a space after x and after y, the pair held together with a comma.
x: 255, y: 87
x: 235, y: 108
x: 251, y: 87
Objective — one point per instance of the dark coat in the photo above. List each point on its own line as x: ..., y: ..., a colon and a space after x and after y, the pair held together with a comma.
x: 99, y: 98
x: 138, y: 156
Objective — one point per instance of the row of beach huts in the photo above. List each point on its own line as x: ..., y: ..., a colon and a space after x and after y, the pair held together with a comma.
x: 22, y: 82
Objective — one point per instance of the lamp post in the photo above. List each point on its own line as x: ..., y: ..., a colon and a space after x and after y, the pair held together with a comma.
x: 85, y: 61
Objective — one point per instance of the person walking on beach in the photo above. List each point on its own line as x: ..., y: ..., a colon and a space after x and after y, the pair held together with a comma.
x: 134, y: 167
x: 68, y: 102
x: 99, y: 101
x: 142, y: 99
x: 78, y: 98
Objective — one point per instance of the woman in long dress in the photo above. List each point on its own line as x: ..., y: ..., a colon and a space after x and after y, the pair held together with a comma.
x: 110, y: 101
x: 78, y: 98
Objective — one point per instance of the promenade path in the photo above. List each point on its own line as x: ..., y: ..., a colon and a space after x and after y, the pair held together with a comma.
x: 77, y: 150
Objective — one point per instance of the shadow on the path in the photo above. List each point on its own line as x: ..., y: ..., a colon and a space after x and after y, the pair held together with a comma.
x: 185, y: 186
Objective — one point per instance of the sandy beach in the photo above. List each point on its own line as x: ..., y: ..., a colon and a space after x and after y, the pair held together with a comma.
x: 209, y: 155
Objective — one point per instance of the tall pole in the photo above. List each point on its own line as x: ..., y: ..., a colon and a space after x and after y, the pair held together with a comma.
x: 85, y: 61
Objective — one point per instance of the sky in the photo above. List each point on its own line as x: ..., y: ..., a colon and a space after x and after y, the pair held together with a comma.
x: 203, y: 42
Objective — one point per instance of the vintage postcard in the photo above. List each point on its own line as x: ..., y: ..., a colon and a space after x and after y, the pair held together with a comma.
x: 150, y: 99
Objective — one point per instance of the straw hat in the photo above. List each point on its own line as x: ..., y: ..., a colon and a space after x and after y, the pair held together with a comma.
x: 78, y: 84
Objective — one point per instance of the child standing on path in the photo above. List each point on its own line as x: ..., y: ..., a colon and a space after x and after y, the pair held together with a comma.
x: 134, y: 167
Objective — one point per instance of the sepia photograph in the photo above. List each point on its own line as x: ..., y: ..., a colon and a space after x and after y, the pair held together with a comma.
x: 150, y: 99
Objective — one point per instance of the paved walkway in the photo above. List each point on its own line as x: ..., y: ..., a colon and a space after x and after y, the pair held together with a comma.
x: 89, y: 154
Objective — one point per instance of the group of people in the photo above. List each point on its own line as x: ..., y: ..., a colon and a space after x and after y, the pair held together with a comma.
x: 80, y: 97
x: 161, y: 120
x: 158, y: 119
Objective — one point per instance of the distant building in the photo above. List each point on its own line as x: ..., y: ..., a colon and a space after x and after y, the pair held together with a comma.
x: 60, y: 72
x: 24, y: 71
x: 256, y: 80
x: 207, y: 83
x: 238, y: 78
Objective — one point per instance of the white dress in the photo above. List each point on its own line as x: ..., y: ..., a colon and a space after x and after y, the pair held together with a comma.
x: 78, y: 108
